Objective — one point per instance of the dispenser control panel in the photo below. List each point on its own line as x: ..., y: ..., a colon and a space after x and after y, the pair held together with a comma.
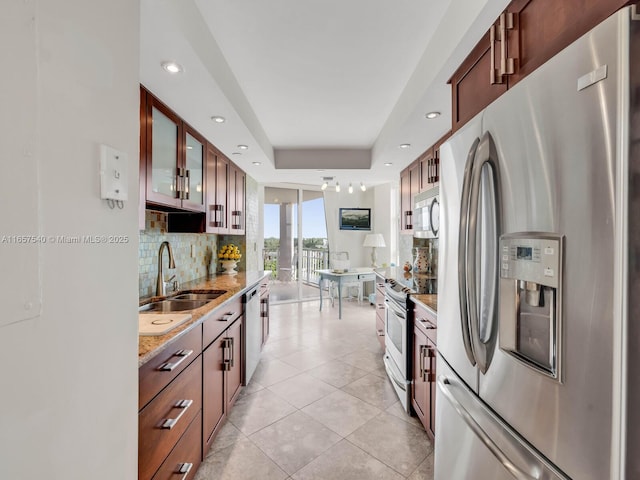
x: 532, y: 257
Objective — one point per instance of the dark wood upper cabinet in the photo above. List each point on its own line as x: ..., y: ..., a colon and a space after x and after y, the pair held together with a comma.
x: 545, y: 27
x: 181, y: 172
x: 237, y: 188
x: 471, y: 85
x: 217, y: 212
x: 525, y: 36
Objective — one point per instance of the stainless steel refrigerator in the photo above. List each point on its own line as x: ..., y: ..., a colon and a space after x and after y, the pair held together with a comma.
x: 531, y: 280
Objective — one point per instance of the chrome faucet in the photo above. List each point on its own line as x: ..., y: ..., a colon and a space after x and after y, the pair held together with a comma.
x: 161, y: 285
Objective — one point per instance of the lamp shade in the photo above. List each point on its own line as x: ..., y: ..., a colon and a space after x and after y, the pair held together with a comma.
x: 374, y: 240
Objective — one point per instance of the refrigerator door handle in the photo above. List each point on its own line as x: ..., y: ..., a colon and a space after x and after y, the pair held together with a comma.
x: 483, y: 326
x: 462, y: 250
x: 444, y: 384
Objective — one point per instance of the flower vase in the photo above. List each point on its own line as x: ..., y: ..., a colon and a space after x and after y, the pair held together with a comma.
x: 228, y: 267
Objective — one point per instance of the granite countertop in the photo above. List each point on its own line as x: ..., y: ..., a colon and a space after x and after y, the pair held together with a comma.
x: 429, y: 301
x: 420, y: 283
x: 148, y: 346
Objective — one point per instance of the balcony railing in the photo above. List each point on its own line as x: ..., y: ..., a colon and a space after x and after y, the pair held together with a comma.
x: 313, y: 259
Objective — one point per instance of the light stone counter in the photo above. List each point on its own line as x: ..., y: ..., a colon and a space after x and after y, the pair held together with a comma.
x: 234, y: 285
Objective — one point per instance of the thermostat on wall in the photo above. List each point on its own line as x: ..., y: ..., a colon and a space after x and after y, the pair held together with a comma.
x: 113, y: 174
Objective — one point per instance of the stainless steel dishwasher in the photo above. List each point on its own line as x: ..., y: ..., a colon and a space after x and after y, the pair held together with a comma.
x: 253, y: 332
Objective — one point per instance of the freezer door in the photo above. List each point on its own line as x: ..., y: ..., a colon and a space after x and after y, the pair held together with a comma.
x: 454, y: 342
x: 558, y: 154
x: 473, y: 443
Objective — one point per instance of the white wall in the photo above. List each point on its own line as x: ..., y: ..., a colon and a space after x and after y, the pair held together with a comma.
x: 347, y: 240
x: 68, y: 408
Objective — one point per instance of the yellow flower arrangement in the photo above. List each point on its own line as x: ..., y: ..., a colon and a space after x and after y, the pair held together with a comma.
x: 229, y: 252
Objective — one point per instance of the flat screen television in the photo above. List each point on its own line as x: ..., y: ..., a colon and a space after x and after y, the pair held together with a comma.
x: 355, y: 219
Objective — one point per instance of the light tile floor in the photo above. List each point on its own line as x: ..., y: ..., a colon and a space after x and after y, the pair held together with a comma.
x: 320, y: 406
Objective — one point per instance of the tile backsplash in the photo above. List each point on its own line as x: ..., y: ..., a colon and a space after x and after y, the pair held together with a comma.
x: 188, y: 267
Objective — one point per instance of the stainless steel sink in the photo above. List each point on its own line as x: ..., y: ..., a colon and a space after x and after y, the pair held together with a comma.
x: 165, y: 306
x: 199, y: 295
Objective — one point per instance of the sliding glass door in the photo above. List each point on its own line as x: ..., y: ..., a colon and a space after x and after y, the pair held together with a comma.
x: 295, y: 242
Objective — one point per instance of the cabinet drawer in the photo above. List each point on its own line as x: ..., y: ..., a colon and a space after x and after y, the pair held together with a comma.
x: 163, y: 422
x: 154, y: 375
x: 220, y: 320
x: 426, y: 321
x: 184, y: 460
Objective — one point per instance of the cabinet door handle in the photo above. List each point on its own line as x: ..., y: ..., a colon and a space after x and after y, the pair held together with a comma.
x: 408, y: 219
x: 169, y: 366
x: 494, y: 76
x: 185, y: 186
x: 226, y: 358
x: 183, y: 405
x: 184, y: 468
x: 507, y: 65
x: 422, y: 357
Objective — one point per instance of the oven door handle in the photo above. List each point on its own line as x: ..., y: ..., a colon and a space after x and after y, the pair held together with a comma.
x: 402, y: 386
x: 396, y: 311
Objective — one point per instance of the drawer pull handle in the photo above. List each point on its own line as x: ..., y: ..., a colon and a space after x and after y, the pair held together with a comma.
x: 169, y: 366
x: 429, y: 325
x: 227, y: 316
x: 184, y: 468
x: 380, y: 333
x: 183, y: 405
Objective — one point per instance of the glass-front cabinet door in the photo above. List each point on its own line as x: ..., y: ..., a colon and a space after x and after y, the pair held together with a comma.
x: 175, y: 159
x: 162, y: 187
x: 192, y: 177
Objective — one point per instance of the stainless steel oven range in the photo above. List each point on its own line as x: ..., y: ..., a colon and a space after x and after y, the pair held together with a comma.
x: 397, y: 341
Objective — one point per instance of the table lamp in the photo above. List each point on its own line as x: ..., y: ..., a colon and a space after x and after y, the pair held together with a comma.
x: 374, y: 240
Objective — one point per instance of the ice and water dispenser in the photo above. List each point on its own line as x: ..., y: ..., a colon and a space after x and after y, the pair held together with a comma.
x: 531, y: 300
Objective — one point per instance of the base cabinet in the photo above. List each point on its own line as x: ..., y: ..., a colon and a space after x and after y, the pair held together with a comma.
x: 423, y: 389
x: 264, y: 310
x: 184, y: 460
x: 380, y: 311
x: 164, y: 421
x: 221, y: 380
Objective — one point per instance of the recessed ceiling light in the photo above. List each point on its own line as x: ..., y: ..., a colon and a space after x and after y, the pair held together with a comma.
x: 350, y: 188
x: 387, y: 164
x: 218, y: 119
x: 362, y: 187
x: 257, y: 163
x: 172, y: 67
x: 243, y: 147
x: 432, y: 115
x: 405, y: 145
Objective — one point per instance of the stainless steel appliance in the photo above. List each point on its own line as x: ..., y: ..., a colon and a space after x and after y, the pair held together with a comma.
x: 532, y: 265
x: 397, y: 340
x: 252, y: 332
x: 426, y: 214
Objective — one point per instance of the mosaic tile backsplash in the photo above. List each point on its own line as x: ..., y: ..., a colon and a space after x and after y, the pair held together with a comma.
x: 187, y: 267
x: 204, y: 262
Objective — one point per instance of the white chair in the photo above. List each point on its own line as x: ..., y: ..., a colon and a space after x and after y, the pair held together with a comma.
x: 340, y: 261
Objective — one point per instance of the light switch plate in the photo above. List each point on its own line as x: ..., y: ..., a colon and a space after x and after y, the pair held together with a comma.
x: 114, y: 181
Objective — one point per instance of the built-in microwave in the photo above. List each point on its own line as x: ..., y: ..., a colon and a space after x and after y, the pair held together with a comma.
x: 426, y: 214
